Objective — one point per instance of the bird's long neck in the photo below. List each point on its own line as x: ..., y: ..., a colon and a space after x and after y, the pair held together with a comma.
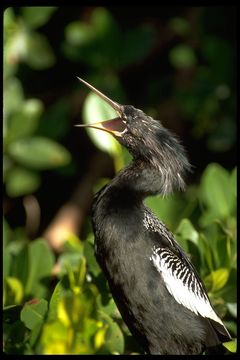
x: 138, y: 180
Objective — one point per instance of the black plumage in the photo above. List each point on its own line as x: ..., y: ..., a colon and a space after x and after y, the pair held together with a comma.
x: 156, y: 288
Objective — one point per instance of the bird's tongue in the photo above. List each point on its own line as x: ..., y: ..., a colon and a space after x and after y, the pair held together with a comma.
x: 114, y: 125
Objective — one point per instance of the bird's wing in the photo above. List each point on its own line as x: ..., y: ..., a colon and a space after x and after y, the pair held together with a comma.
x: 182, y: 282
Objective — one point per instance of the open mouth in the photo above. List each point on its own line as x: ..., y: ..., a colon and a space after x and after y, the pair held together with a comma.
x: 114, y: 126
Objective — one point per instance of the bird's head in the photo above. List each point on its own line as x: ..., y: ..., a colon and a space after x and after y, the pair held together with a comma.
x: 146, y: 139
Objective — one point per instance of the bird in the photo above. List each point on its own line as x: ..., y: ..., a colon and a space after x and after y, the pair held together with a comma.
x: 155, y: 286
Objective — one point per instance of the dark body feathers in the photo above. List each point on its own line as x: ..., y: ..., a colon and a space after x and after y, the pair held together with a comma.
x: 123, y: 249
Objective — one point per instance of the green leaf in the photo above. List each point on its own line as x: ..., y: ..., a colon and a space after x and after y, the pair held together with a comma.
x: 233, y: 181
x: 217, y: 279
x: 56, y: 297
x: 39, y: 153
x: 114, y: 340
x: 186, y: 231
x: 33, y: 313
x: 182, y: 56
x: 41, y: 261
x: 35, y: 16
x: 231, y: 326
x: 9, y: 17
x: 180, y: 25
x: 94, y: 110
x: 20, y: 181
x: 79, y: 33
x: 25, y: 121
x: 231, y: 345
x: 205, y: 252
x: 54, y: 338
x: 69, y: 259
x: 39, y: 53
x: 14, y: 291
x: 232, y: 308
x: 13, y: 97
x: 109, y: 308
x: 92, y: 264
x: 19, y: 260
x: 169, y: 209
x: 214, y: 190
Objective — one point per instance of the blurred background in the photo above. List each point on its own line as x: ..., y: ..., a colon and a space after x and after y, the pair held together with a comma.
x: 178, y: 65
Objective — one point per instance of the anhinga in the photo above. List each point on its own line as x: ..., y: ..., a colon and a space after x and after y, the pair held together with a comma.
x: 155, y: 286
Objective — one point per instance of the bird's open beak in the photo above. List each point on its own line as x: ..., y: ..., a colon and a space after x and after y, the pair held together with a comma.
x: 114, y: 126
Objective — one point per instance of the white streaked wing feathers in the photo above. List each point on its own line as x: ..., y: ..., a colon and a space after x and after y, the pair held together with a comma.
x: 177, y: 284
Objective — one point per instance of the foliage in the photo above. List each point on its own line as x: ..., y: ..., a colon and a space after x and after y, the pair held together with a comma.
x: 80, y: 316
x: 25, y: 153
x: 59, y: 302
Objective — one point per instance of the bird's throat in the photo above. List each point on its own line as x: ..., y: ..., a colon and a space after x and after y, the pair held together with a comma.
x: 139, y: 179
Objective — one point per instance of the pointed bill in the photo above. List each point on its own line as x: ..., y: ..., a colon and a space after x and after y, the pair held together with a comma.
x: 115, y: 126
x: 112, y: 103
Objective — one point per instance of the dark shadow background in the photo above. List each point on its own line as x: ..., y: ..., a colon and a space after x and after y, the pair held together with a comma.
x: 190, y: 89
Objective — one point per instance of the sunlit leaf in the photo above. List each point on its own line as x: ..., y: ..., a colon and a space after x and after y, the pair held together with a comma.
x: 168, y: 209
x: 233, y: 181
x: 54, y: 338
x: 33, y: 313
x: 95, y: 110
x: 36, y: 16
x: 63, y: 313
x: 69, y: 259
x: 231, y: 345
x: 25, y: 121
x: 232, y: 308
x: 56, y: 297
x: 21, y: 181
x: 14, y: 290
x: 9, y: 17
x: 187, y: 231
x: 215, y: 192
x: 39, y: 153
x: 99, y: 338
x: 217, y: 278
x: 16, y: 48
x: 13, y: 97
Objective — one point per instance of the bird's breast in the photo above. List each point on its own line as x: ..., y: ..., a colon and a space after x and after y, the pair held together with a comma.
x: 119, y: 242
